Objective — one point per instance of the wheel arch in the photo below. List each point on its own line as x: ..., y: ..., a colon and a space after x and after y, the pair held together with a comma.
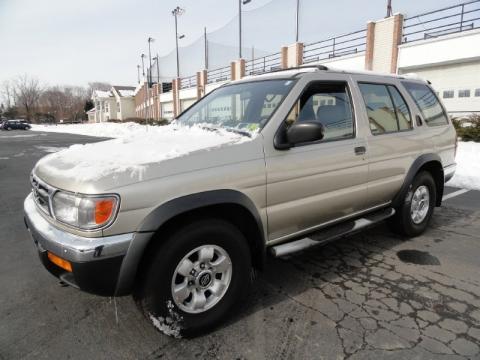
x: 230, y: 205
x: 427, y: 162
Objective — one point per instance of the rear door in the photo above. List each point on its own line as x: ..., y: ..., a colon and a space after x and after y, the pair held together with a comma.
x: 312, y: 184
x: 393, y: 141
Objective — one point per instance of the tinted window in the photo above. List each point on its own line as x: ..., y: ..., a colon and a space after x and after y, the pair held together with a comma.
x: 428, y: 104
x: 327, y: 103
x: 401, y: 109
x: 386, y: 109
x: 464, y: 93
x: 477, y: 92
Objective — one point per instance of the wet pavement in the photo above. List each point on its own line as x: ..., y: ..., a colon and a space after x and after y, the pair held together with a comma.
x: 373, y: 295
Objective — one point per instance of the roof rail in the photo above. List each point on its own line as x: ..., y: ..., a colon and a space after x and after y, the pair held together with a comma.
x: 318, y: 67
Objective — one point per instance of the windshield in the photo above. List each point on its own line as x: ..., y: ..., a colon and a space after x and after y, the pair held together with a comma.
x: 245, y: 107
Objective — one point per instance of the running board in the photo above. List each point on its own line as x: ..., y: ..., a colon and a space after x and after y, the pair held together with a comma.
x: 334, y: 232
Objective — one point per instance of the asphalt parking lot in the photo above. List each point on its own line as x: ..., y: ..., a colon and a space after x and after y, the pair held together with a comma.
x: 370, y: 296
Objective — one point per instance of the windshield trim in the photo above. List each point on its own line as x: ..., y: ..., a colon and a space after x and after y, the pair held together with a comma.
x: 234, y: 83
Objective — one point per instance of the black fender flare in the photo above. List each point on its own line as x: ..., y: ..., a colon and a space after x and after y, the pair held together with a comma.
x: 414, y: 168
x: 172, y: 208
x: 183, y: 204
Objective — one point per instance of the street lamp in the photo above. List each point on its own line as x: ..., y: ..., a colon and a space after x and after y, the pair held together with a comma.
x: 177, y: 12
x: 138, y: 73
x: 143, y: 64
x: 240, y: 2
x: 150, y: 40
x: 146, y: 93
x: 296, y: 20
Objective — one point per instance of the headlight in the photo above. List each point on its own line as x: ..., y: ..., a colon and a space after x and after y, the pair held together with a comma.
x: 85, y: 212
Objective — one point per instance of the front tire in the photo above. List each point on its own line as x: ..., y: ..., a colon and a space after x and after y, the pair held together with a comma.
x: 196, y: 278
x: 414, y: 213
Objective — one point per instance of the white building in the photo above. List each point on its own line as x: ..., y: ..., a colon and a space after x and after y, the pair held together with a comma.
x: 124, y: 101
x: 118, y: 103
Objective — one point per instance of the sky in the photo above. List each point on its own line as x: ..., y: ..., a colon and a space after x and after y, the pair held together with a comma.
x: 74, y: 42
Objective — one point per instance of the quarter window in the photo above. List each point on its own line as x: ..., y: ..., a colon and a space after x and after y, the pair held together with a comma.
x: 428, y: 103
x: 386, y: 108
x: 464, y: 93
x: 326, y: 103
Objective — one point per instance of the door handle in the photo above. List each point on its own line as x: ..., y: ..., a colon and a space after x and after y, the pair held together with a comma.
x: 360, y: 150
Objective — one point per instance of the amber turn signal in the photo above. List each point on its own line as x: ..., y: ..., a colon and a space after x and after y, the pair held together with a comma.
x: 104, y: 210
x: 64, y: 264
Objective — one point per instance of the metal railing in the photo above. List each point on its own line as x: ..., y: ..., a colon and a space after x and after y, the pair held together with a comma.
x: 263, y: 64
x: 351, y: 43
x: 217, y: 75
x: 448, y: 20
x: 188, y: 82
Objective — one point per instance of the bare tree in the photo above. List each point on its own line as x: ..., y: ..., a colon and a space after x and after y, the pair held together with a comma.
x: 64, y: 103
x: 7, y: 93
x: 98, y: 86
x: 27, y: 91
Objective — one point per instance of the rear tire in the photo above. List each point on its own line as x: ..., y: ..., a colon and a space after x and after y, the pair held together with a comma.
x: 414, y: 213
x: 196, y: 278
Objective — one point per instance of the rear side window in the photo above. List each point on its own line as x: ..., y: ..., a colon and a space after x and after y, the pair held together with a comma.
x: 428, y: 103
x: 386, y: 108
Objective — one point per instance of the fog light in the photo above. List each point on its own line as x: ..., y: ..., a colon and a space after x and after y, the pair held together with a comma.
x: 64, y: 264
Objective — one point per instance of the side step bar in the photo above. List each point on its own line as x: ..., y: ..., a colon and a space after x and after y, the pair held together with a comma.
x: 331, y: 233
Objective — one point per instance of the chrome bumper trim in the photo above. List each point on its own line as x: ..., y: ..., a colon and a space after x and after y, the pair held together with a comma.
x: 70, y: 246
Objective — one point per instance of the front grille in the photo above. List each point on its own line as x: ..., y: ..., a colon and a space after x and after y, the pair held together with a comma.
x: 42, y: 194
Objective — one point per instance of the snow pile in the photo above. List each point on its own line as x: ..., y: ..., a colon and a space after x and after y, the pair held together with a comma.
x: 131, y: 153
x: 467, y: 175
x: 112, y: 130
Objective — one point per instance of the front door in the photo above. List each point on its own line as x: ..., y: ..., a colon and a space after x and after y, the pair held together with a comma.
x: 312, y: 184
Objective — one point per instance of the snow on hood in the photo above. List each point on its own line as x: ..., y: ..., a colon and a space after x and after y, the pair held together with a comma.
x: 132, y: 153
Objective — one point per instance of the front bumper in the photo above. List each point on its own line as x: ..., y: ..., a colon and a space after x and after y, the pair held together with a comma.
x: 97, y: 263
x: 449, y: 171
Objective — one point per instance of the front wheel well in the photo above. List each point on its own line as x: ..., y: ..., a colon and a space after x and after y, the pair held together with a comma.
x: 233, y: 213
x: 436, y: 170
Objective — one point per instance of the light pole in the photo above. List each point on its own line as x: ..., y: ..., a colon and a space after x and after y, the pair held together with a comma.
x: 177, y: 12
x: 240, y: 2
x: 156, y: 59
x: 138, y: 73
x: 149, y: 77
x: 146, y: 90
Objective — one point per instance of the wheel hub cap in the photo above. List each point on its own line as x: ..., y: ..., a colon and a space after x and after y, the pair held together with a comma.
x: 420, y: 204
x: 201, y: 278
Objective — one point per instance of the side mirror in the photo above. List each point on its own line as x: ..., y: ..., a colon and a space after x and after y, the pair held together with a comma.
x: 305, y: 131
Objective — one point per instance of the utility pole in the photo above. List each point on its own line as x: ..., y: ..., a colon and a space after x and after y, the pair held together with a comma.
x: 206, y: 47
x: 143, y: 64
x: 177, y: 12
x: 296, y: 20
x: 149, y: 77
x: 389, y: 8
x: 158, y: 70
x: 240, y: 2
x: 138, y: 73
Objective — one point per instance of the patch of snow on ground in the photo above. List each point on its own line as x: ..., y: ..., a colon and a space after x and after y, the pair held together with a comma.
x: 467, y: 175
x: 131, y: 153
x: 50, y: 149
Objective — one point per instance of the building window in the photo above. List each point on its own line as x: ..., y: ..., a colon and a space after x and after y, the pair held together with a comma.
x: 448, y: 94
x: 477, y: 92
x: 464, y: 93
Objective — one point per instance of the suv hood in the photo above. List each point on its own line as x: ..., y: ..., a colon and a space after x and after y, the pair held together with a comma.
x: 96, y: 167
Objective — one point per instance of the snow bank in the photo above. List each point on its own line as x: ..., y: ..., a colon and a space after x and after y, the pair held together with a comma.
x: 131, y: 153
x: 467, y: 175
x: 112, y: 130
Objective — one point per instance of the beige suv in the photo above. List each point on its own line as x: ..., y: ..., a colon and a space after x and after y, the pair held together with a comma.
x: 323, y: 153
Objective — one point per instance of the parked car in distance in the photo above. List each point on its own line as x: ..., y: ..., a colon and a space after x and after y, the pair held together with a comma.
x: 16, y: 125
x: 325, y: 153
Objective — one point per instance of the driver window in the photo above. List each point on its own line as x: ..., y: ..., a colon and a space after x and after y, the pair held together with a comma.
x: 326, y: 103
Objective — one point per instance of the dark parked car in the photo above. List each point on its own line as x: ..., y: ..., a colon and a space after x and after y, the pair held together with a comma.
x: 15, y: 125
